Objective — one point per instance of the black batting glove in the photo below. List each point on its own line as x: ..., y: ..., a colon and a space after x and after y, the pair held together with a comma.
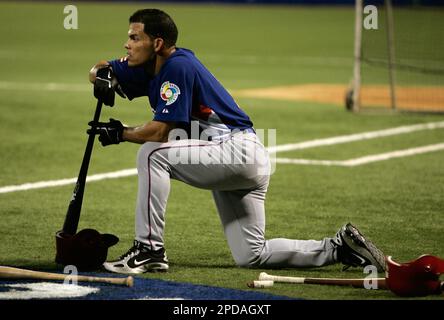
x: 105, y: 85
x: 109, y: 132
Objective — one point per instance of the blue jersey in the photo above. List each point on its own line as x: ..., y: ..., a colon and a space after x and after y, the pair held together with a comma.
x: 184, y: 91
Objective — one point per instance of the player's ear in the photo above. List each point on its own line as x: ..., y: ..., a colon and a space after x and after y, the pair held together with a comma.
x: 158, y: 44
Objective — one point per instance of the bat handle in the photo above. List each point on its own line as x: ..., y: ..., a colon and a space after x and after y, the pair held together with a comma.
x: 75, y: 205
x: 98, y: 110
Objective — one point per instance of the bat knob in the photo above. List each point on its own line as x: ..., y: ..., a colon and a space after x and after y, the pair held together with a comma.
x: 263, y: 276
x: 129, y: 281
x: 260, y: 284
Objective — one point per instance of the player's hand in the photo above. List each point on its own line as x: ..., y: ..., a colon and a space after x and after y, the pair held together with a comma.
x: 109, y: 132
x: 105, y: 85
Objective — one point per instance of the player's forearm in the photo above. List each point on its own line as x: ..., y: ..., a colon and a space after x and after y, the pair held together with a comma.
x: 97, y: 66
x: 152, y: 131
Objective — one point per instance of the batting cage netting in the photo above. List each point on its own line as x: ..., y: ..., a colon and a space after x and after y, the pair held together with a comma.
x: 399, y: 56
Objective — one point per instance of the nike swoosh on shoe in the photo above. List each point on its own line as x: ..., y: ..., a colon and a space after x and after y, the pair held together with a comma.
x: 139, y: 263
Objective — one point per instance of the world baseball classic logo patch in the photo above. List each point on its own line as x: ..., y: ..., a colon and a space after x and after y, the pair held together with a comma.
x: 169, y: 92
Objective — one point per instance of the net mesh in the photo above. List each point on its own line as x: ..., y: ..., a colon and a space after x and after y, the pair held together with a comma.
x: 418, y: 64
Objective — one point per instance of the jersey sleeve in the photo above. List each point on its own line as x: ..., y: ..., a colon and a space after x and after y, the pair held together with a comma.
x: 175, y: 94
x: 133, y: 80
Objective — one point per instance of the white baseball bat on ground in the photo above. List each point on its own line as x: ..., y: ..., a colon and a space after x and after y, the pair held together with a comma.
x: 355, y: 282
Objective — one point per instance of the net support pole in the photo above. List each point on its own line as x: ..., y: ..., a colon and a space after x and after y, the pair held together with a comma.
x: 391, y: 52
x: 356, y: 98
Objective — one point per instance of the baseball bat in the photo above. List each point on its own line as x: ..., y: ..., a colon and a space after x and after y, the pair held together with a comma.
x: 355, y: 282
x: 75, y: 205
x: 18, y: 273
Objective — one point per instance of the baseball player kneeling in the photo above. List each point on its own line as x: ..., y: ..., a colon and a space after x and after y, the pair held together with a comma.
x: 225, y: 156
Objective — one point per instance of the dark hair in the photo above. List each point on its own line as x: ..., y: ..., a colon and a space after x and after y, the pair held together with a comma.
x: 158, y: 24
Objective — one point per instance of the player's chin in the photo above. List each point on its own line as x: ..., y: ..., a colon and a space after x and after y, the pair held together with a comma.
x: 134, y: 62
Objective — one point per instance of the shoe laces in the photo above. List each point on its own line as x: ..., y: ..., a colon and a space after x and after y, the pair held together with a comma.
x: 337, y: 240
x: 132, y: 251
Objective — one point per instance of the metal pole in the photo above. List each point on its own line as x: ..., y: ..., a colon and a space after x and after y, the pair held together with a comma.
x: 391, y: 52
x: 357, y: 54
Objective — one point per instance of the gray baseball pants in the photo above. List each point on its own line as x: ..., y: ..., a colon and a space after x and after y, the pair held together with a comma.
x: 237, y: 170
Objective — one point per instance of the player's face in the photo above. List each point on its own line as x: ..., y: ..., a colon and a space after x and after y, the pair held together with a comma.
x: 139, y: 47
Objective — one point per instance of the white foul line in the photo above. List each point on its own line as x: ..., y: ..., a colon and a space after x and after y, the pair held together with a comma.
x: 44, y: 86
x: 367, y: 159
x: 64, y: 182
x: 281, y: 148
x: 356, y: 137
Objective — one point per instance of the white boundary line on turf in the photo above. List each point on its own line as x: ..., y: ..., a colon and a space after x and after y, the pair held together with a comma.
x: 367, y: 159
x: 356, y: 137
x: 64, y: 182
x: 281, y: 148
x: 45, y: 86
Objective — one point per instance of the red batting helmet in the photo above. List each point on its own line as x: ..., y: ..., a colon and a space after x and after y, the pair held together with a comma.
x: 419, y: 277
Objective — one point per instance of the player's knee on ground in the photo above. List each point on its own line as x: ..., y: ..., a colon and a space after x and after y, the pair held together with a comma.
x: 249, y: 258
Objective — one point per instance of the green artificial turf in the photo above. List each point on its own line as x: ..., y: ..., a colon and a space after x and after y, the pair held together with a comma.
x: 397, y: 203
